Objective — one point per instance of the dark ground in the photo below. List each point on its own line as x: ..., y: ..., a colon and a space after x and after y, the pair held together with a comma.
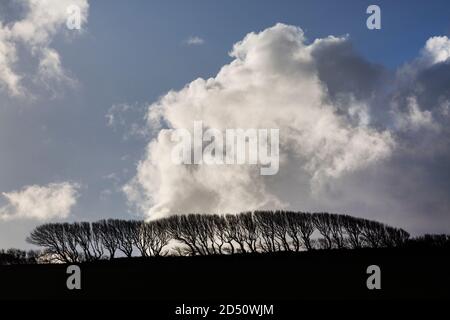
x: 335, y: 274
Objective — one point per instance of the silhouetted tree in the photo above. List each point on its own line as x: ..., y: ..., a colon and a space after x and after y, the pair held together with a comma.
x: 430, y: 241
x: 306, y: 228
x: 57, y: 239
x: 322, y: 222
x: 202, y: 234
x: 87, y: 240
x: 180, y: 228
x: 337, y: 230
x: 353, y: 228
x: 281, y: 230
x: 106, y: 236
x: 235, y: 232
x: 123, y: 231
x: 221, y: 236
x: 249, y: 230
x: 265, y: 224
x: 155, y: 237
x: 372, y: 233
x: 17, y: 256
x: 205, y: 232
x: 394, y: 237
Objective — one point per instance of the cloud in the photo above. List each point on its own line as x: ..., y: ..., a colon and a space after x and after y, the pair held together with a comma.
x: 415, y: 119
x: 437, y: 49
x: 195, y: 41
x: 33, y: 31
x: 53, y: 201
x: 273, y: 82
x: 130, y: 119
x: 355, y: 137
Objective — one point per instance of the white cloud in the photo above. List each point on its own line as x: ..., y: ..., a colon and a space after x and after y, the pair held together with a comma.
x: 196, y: 40
x: 271, y: 83
x: 8, y: 57
x: 34, y: 33
x: 437, y: 49
x: 43, y: 203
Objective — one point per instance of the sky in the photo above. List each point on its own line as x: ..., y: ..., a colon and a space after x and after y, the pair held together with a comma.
x: 363, y: 115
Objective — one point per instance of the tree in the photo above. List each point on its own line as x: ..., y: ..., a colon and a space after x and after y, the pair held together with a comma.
x: 123, y: 231
x: 235, y: 232
x: 105, y: 234
x: 249, y: 230
x: 292, y: 220
x: 394, y: 237
x: 88, y: 240
x: 155, y: 236
x: 221, y: 236
x: 205, y: 232
x: 57, y: 240
x: 322, y: 222
x: 353, y: 228
x: 139, y: 237
x: 306, y: 227
x: 372, y: 233
x: 265, y: 224
x: 281, y: 229
x: 337, y: 230
x: 201, y: 234
x: 180, y: 228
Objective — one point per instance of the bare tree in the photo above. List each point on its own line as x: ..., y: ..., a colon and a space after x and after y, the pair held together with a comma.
x: 123, y: 230
x: 306, y: 227
x: 265, y: 224
x: 205, y: 232
x: 337, y: 230
x: 201, y: 234
x: 155, y: 236
x: 281, y: 230
x: 372, y: 233
x: 353, y: 229
x: 293, y: 228
x: 87, y: 240
x: 180, y: 228
x: 69, y: 236
x: 139, y: 237
x: 249, y: 230
x: 322, y: 222
x: 221, y: 236
x: 105, y: 235
x: 394, y: 237
x: 58, y: 241
x: 234, y: 232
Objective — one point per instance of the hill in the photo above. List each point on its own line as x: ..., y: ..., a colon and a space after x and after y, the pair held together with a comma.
x: 282, y: 276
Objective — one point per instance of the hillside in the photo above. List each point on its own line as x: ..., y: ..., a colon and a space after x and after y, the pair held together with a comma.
x: 283, y: 276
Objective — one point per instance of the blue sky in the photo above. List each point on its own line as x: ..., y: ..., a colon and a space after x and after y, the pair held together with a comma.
x: 133, y: 52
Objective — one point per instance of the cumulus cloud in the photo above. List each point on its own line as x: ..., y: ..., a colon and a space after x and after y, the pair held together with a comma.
x: 354, y: 137
x: 53, y: 201
x: 437, y: 49
x: 33, y: 30
x: 194, y: 41
x: 272, y: 82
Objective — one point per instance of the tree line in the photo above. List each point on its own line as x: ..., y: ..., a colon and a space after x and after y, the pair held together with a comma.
x: 17, y: 256
x: 206, y: 234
